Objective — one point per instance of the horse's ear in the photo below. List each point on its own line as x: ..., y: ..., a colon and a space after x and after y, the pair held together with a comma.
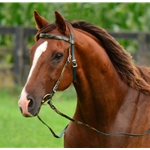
x: 39, y: 20
x: 60, y: 22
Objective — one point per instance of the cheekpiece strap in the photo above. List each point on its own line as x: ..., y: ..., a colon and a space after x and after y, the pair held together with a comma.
x: 66, y: 39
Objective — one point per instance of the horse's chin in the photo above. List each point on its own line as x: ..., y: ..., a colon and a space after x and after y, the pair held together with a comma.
x: 38, y: 111
x: 35, y: 113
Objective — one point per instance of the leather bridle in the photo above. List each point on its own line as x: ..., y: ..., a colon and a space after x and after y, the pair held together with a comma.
x: 48, y: 97
x: 70, y: 56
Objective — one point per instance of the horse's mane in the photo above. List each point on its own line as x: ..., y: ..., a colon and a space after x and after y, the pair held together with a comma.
x: 137, y: 77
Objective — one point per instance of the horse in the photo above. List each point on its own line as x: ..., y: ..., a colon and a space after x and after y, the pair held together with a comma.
x: 113, y: 93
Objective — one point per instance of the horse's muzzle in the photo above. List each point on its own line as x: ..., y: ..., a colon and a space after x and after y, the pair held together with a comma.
x: 23, y: 105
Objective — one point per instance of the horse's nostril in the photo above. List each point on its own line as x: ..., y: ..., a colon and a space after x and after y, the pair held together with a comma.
x: 31, y: 103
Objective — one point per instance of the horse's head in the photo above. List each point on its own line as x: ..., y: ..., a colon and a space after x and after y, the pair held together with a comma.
x: 49, y: 55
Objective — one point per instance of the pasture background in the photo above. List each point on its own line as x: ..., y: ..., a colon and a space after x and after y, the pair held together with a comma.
x: 17, y: 131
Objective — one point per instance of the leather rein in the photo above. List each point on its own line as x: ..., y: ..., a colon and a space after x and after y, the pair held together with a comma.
x: 48, y: 97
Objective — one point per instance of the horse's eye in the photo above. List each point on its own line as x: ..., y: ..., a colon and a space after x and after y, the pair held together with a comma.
x: 58, y: 56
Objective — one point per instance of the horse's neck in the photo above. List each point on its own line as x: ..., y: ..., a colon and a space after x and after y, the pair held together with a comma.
x: 105, y: 101
x: 99, y: 89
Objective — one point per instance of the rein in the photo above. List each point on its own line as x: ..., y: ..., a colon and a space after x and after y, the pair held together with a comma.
x: 84, y: 124
x: 48, y: 97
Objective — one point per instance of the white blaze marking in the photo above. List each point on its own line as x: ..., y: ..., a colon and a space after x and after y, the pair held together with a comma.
x: 40, y: 49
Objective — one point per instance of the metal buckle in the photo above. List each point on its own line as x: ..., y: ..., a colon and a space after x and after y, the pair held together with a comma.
x: 72, y: 41
x: 74, y: 63
x: 47, y: 97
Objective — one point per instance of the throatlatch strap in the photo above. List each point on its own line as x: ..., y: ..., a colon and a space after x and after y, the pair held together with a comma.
x: 74, y: 63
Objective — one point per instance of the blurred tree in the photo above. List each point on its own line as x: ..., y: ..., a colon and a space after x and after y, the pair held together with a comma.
x: 110, y: 16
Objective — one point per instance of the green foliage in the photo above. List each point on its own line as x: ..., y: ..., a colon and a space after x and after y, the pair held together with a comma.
x: 112, y: 16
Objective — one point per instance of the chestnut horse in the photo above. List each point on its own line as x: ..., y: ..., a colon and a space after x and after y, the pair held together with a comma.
x: 113, y: 94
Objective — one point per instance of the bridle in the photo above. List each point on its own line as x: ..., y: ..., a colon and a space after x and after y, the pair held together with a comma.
x: 71, y: 55
x: 74, y: 63
x: 48, y: 97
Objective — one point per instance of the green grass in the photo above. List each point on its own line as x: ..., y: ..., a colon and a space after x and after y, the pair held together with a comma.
x: 17, y: 131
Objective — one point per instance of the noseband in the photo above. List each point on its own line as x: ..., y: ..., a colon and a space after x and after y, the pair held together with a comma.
x: 48, y: 97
